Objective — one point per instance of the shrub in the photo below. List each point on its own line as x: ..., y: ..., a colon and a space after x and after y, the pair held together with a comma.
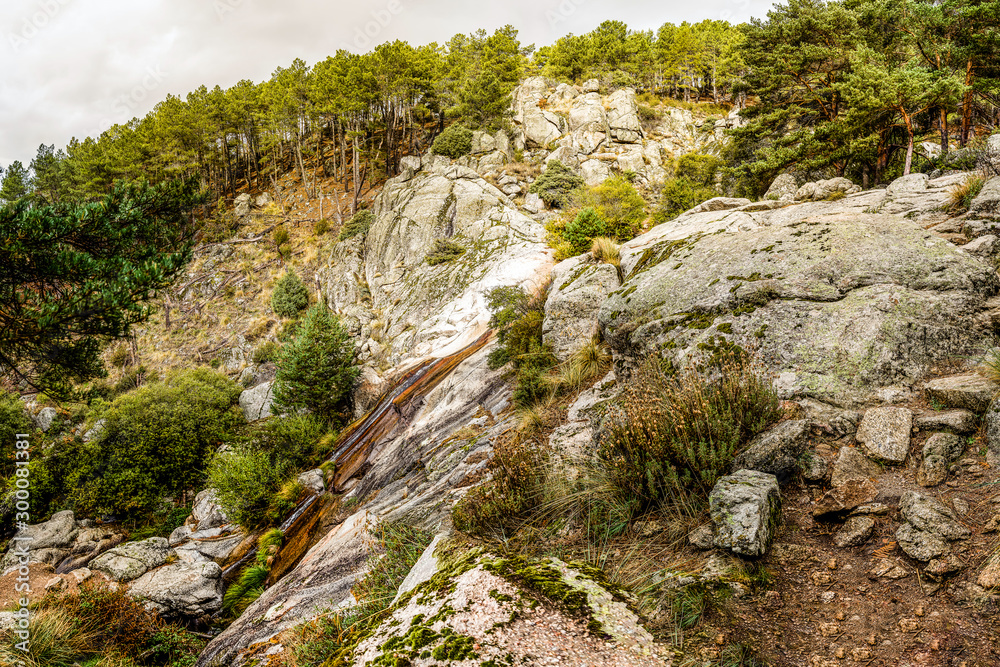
x: 679, y: 195
x: 290, y: 296
x: 13, y: 420
x: 155, y: 443
x: 586, y: 226
x: 960, y: 196
x: 618, y: 204
x: 698, y: 168
x: 316, y: 370
x: 444, y: 251
x: 555, y: 184
x: 301, y: 440
x: 280, y: 236
x: 246, y: 478
x: 517, y: 318
x: 606, y: 251
x: 359, y: 223
x: 321, y: 227
x: 496, y: 508
x: 269, y: 351
x: 454, y: 142
x: 100, y: 623
x: 672, y: 435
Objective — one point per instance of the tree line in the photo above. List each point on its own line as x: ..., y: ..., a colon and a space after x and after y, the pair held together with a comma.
x: 846, y: 86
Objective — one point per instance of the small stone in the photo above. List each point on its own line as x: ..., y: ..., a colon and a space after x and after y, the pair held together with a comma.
x: 888, y: 569
x: 884, y: 433
x: 829, y: 629
x: 831, y: 564
x: 814, y: 468
x: 776, y: 451
x: 844, y: 498
x: 855, y: 532
x: 969, y: 391
x: 851, y: 464
x: 821, y: 578
x: 701, y: 537
x: 990, y: 575
x: 920, y: 544
x: 946, y: 445
x: 909, y: 624
x: 933, y: 470
x: 925, y: 513
x: 860, y: 654
x: 961, y: 422
x: 941, y: 567
x: 55, y: 584
x: 745, y: 509
x: 961, y: 505
x: 874, y: 509
x: 993, y: 524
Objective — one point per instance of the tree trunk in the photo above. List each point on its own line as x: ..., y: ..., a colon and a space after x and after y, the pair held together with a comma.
x: 909, y: 144
x: 944, y: 130
x: 967, y: 106
x: 357, y: 187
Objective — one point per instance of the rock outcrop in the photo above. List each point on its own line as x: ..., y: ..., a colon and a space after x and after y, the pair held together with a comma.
x: 826, y: 292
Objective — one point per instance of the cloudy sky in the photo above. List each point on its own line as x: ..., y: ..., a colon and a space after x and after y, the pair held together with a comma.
x: 75, y: 67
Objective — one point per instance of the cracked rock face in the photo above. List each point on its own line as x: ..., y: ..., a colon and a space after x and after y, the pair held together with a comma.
x: 384, y: 286
x: 841, y: 303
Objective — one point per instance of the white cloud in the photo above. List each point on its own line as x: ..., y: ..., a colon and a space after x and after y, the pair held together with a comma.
x: 73, y: 68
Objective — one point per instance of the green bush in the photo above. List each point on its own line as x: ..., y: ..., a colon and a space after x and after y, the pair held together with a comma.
x: 359, y: 223
x: 517, y: 317
x: 555, y: 184
x: 698, y: 168
x: 454, y: 142
x: 671, y: 435
x: 585, y: 227
x: 269, y: 351
x: 280, y: 236
x: 303, y: 441
x: 246, y: 479
x: 679, y: 195
x: 155, y: 443
x: 316, y: 370
x: 618, y: 204
x: 321, y: 227
x: 444, y: 251
x: 13, y: 420
x: 290, y: 296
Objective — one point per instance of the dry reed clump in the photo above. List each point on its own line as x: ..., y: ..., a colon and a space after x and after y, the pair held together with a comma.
x: 672, y: 435
x: 960, y: 196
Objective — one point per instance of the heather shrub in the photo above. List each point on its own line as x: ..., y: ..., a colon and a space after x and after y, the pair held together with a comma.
x: 671, y: 435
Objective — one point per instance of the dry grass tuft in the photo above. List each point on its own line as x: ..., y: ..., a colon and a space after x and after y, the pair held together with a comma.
x: 606, y: 251
x: 960, y: 196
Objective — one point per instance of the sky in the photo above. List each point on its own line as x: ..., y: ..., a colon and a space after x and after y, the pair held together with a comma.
x: 74, y: 68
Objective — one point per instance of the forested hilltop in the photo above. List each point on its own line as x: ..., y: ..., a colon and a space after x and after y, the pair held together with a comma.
x: 842, y: 85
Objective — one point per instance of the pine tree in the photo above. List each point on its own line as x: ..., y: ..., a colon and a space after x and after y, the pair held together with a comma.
x: 73, y: 276
x: 316, y: 370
